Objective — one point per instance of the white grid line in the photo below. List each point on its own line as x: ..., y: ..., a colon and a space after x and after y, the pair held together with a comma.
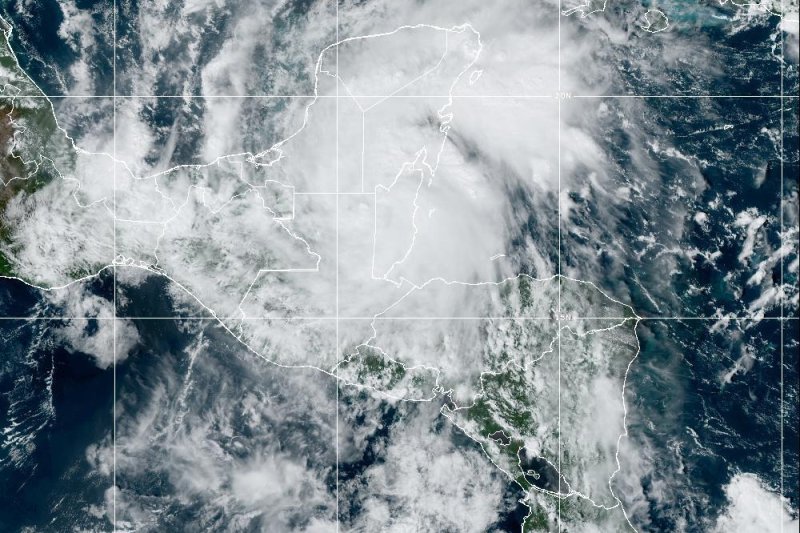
x: 558, y: 314
x: 114, y: 269
x: 412, y: 96
x: 782, y: 318
x: 387, y: 318
x: 783, y: 236
x: 338, y: 340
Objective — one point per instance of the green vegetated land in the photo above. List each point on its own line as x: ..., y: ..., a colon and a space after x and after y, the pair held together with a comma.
x: 28, y: 131
x: 371, y: 367
x: 518, y: 388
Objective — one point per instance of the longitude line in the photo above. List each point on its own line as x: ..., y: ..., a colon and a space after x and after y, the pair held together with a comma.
x: 558, y: 316
x: 114, y: 268
x: 782, y: 99
x: 336, y: 353
x: 782, y: 158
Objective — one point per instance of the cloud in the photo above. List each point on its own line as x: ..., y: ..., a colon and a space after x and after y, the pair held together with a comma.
x: 84, y: 32
x: 102, y: 339
x: 460, y: 176
x: 235, y: 443
x: 423, y: 482
x: 457, y: 221
x: 91, y: 327
x: 754, y: 507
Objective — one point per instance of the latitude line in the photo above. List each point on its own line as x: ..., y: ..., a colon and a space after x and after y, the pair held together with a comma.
x: 387, y: 318
x: 408, y: 96
x: 337, y: 318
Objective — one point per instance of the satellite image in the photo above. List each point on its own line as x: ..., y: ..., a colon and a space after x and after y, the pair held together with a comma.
x: 399, y: 266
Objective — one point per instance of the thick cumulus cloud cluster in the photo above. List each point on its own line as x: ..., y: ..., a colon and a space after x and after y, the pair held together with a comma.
x: 471, y: 143
x: 238, y: 444
x: 512, y: 196
x: 89, y: 327
x: 462, y: 192
x: 423, y: 482
x: 753, y: 507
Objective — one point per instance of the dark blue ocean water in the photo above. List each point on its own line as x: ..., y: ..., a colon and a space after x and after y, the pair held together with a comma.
x: 693, y: 422
x: 55, y: 404
x: 42, y: 52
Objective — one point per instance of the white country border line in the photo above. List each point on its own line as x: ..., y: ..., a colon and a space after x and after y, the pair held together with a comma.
x: 448, y: 392
x: 252, y: 158
x: 571, y: 492
x: 277, y: 148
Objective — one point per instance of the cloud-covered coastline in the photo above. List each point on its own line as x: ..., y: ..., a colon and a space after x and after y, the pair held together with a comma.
x: 463, y: 159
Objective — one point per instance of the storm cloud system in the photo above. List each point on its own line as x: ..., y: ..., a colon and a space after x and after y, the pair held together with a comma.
x: 399, y: 265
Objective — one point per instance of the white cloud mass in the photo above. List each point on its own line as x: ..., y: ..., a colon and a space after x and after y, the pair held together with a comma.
x: 385, y: 209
